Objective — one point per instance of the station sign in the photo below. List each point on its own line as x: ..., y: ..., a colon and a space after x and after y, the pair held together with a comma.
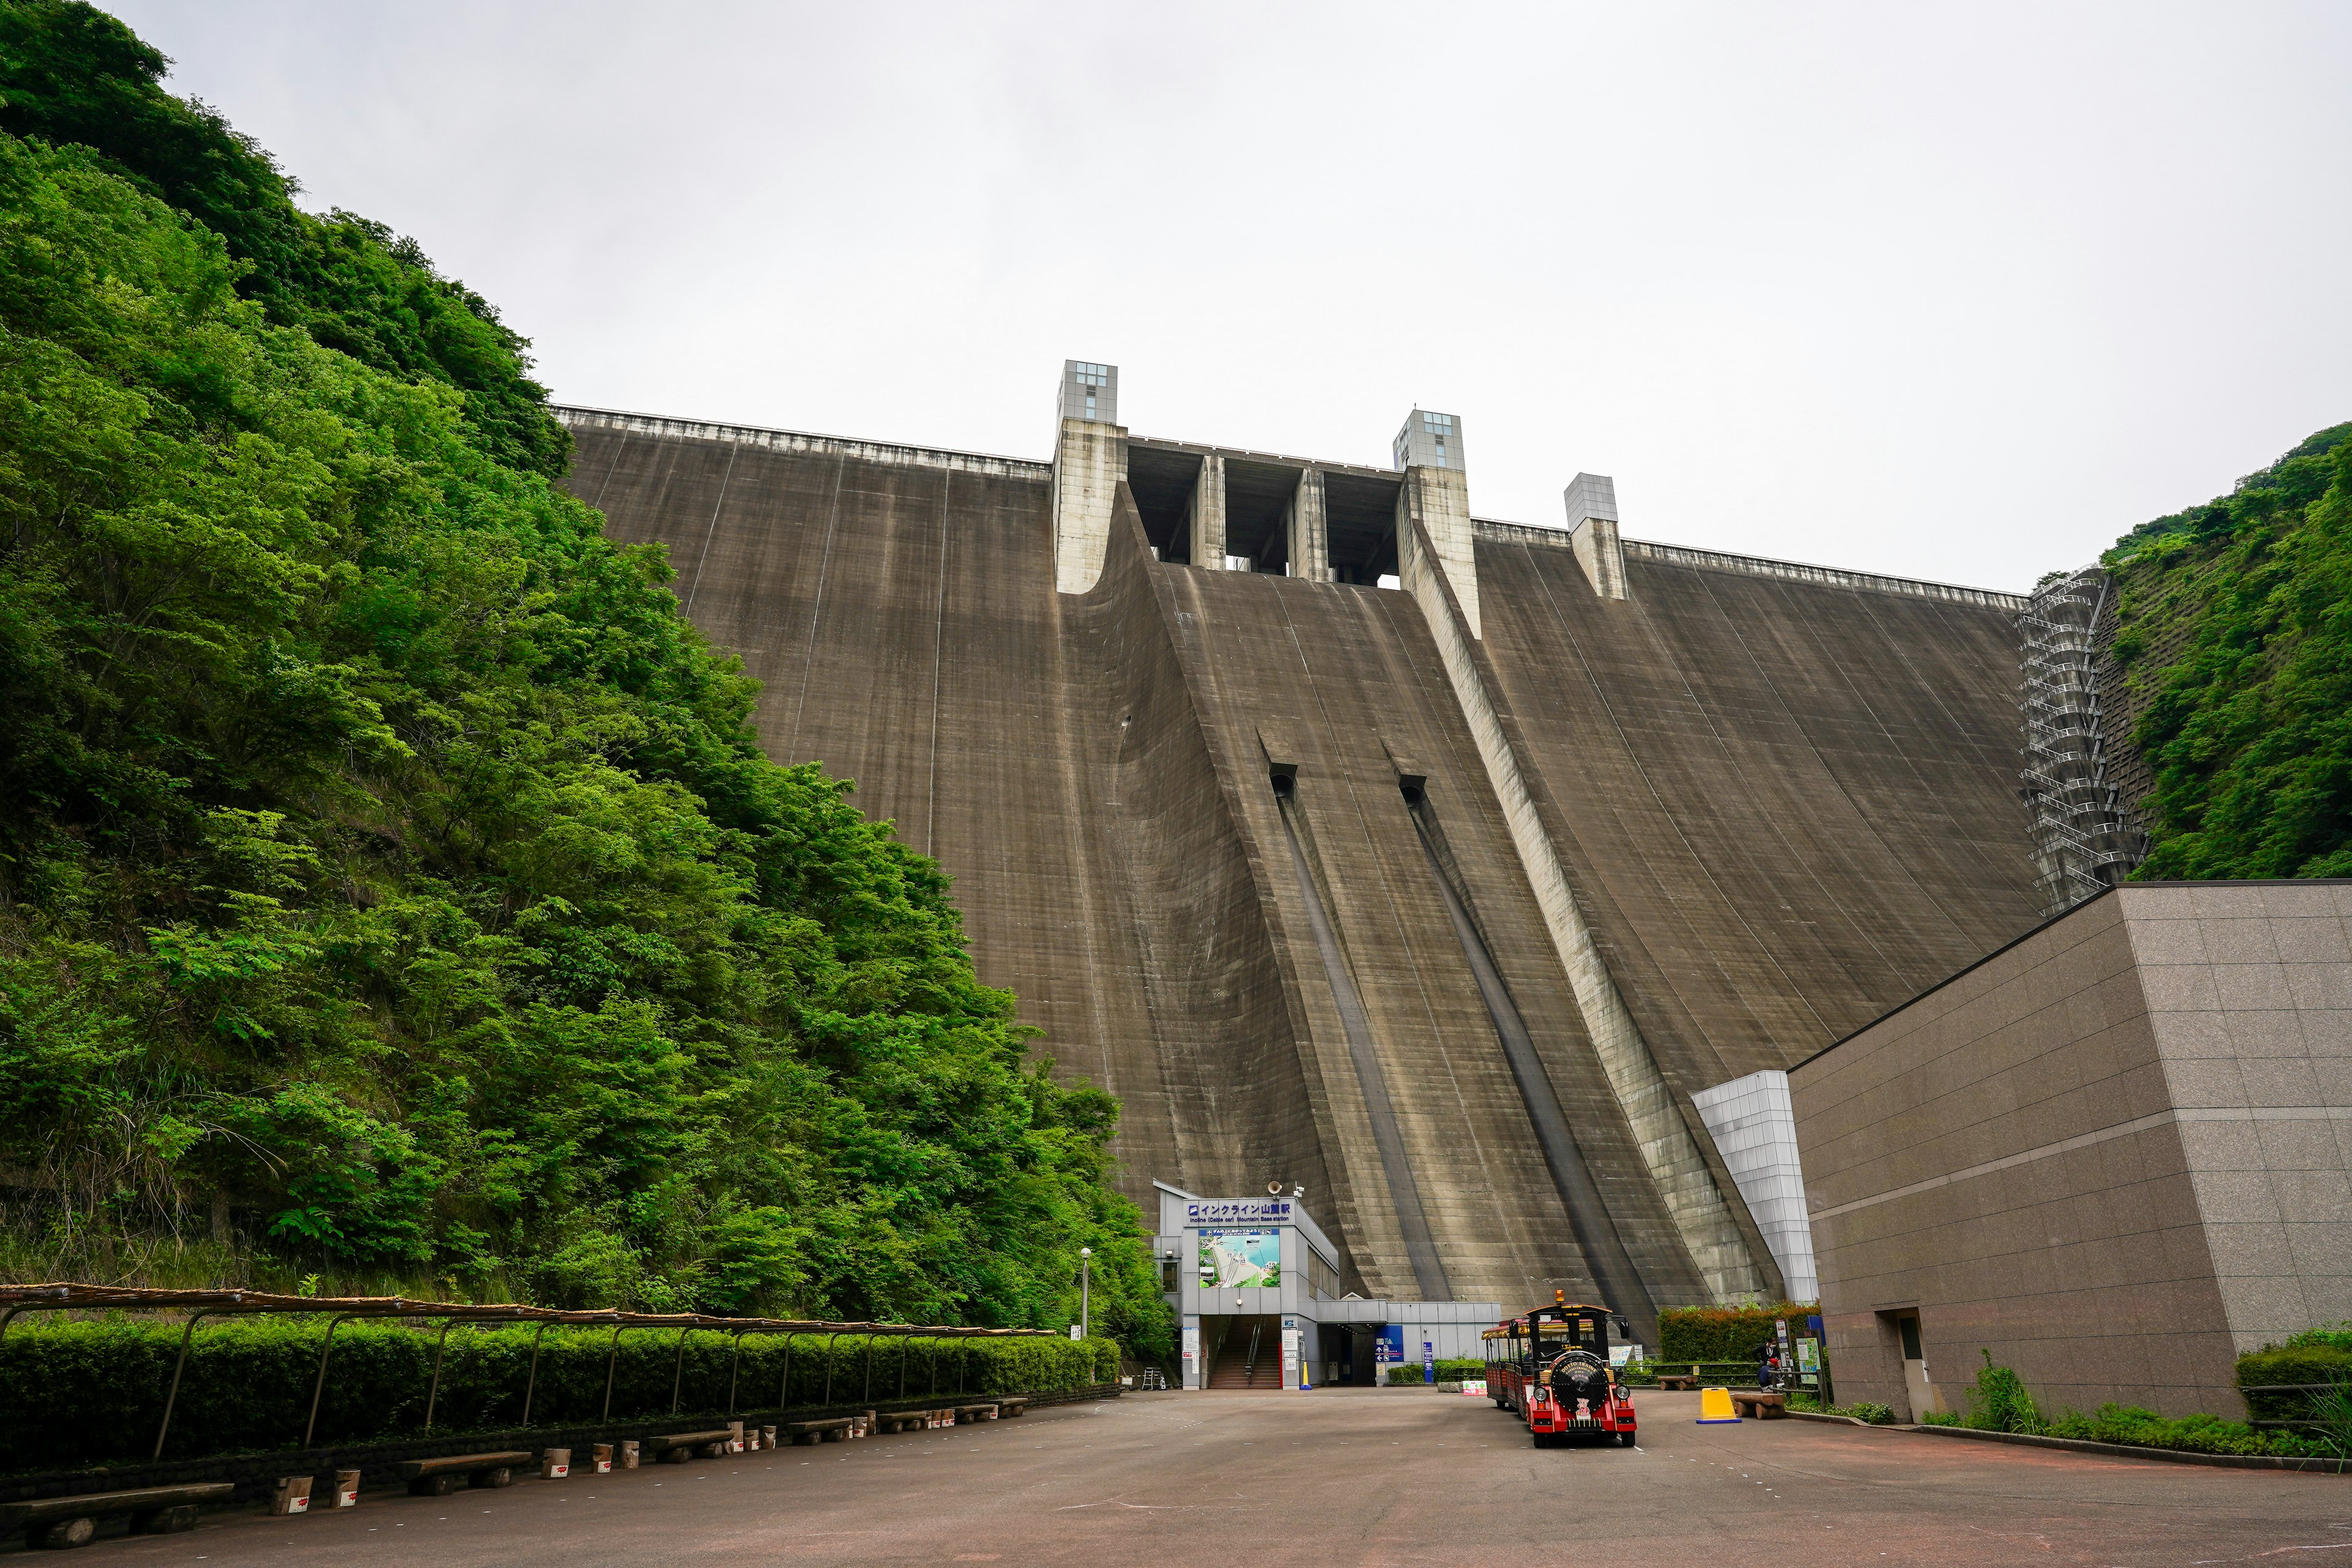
x: 1240, y: 1211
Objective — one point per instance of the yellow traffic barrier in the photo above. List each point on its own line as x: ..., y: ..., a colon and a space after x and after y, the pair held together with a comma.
x: 1715, y: 1407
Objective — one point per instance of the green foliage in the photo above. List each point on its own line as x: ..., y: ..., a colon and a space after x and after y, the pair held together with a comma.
x: 72, y: 74
x: 2316, y: 1356
x: 248, y: 1380
x: 2198, y: 1434
x: 1453, y: 1369
x: 1867, y: 1410
x: 1999, y: 1400
x: 2249, y: 732
x: 392, y: 888
x: 2330, y: 1336
x: 2331, y: 1416
x: 1689, y: 1334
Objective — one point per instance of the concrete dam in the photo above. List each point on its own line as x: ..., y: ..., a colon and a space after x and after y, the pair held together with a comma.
x: 1357, y: 843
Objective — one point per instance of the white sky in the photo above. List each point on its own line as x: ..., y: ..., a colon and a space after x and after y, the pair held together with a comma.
x: 1960, y: 293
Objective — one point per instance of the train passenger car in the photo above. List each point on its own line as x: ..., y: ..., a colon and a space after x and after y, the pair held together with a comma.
x: 1551, y: 1367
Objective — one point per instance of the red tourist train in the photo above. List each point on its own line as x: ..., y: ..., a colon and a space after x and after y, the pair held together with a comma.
x: 1550, y: 1366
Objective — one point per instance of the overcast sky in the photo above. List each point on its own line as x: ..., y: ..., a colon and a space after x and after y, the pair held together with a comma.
x: 1960, y: 293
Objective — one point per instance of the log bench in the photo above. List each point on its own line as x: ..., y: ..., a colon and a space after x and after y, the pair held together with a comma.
x: 439, y: 1477
x: 66, y: 1521
x: 1681, y: 1382
x: 679, y: 1447
x: 832, y: 1431
x: 1763, y: 1406
x: 1012, y: 1407
x: 911, y: 1420
x: 965, y: 1412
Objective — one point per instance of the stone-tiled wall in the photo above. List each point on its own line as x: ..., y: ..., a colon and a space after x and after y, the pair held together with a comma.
x: 2113, y: 1154
x: 2249, y: 986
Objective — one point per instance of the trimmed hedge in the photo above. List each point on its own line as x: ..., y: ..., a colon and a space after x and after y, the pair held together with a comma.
x: 82, y: 1392
x: 1724, y: 1333
x: 1460, y: 1369
x: 2291, y: 1363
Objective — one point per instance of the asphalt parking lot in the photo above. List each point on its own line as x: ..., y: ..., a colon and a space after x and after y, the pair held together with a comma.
x: 1338, y: 1476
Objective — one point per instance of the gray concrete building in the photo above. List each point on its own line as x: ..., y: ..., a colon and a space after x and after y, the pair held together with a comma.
x: 1430, y: 861
x: 2114, y: 1154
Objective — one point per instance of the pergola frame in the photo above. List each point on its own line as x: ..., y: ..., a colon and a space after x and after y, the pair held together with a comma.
x: 19, y: 1299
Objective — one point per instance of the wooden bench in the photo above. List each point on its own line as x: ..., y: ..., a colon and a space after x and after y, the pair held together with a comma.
x: 439, y: 1477
x: 1763, y: 1406
x: 965, y: 1412
x: 1012, y: 1407
x: 679, y: 1447
x: 1681, y: 1382
x: 66, y: 1521
x: 834, y: 1431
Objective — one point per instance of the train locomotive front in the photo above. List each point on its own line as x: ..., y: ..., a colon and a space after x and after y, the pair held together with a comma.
x: 1551, y: 1367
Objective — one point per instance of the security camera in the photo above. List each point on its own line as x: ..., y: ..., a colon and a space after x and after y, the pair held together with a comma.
x: 1299, y: 1190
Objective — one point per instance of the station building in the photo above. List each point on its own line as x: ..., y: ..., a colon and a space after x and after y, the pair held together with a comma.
x: 1255, y: 1285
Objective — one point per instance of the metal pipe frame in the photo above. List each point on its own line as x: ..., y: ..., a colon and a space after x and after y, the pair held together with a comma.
x: 319, y: 1387
x: 433, y: 1394
x: 612, y: 1360
x: 19, y: 1299
x: 532, y: 1386
x: 173, y: 1397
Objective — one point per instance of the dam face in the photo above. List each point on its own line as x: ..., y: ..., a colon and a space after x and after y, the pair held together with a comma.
x: 1439, y: 899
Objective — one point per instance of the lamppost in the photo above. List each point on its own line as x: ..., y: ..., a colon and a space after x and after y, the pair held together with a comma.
x: 1086, y: 1281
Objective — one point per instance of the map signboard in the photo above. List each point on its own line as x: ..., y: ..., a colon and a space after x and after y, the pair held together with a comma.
x: 1240, y: 1260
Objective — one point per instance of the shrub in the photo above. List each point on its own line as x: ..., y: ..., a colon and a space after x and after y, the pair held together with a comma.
x: 1724, y: 1333
x: 2314, y: 1356
x: 2000, y: 1401
x: 1403, y: 1372
x: 1865, y: 1410
x: 2200, y: 1432
x: 248, y: 1380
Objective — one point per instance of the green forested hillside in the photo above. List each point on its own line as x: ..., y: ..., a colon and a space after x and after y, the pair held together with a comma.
x: 390, y: 887
x: 2235, y: 629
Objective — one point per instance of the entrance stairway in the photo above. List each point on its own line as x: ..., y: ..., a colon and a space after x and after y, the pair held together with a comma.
x: 1251, y: 1361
